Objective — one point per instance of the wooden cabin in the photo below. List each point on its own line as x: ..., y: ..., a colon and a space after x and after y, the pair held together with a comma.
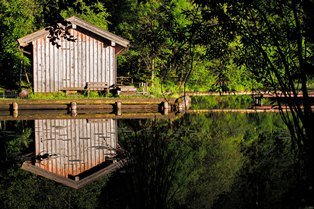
x: 87, y: 54
x: 74, y: 152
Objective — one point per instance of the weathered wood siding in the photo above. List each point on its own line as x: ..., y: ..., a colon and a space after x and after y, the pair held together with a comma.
x: 75, y: 145
x: 88, y: 59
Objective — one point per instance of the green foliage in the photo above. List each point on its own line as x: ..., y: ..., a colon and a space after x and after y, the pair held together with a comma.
x: 30, y: 191
x: 221, y: 102
x: 272, y: 42
x: 17, y: 19
x: 14, y: 139
x: 62, y: 95
x: 57, y: 95
x: 95, y: 12
x: 269, y: 175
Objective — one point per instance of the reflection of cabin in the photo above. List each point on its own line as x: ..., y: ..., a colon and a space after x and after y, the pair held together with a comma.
x: 89, y: 56
x: 74, y: 152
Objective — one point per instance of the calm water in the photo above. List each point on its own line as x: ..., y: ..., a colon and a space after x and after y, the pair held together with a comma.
x: 195, y: 161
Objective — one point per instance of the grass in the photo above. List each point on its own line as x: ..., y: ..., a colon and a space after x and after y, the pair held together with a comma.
x: 62, y: 95
x: 232, y: 101
x: 93, y: 95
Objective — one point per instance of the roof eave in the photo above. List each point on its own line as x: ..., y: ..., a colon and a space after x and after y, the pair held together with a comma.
x: 94, y: 29
x: 24, y: 41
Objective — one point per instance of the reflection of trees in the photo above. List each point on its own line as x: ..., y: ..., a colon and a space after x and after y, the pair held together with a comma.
x: 20, y: 189
x: 14, y: 137
x: 175, y: 164
x: 270, y: 176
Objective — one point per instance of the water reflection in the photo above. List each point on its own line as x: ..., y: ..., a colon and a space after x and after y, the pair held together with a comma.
x: 197, y: 161
x: 74, y: 152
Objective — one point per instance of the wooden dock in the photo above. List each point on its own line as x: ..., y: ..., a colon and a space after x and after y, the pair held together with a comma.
x: 20, y: 109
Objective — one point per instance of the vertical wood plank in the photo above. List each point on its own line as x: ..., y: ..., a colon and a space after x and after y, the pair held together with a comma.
x: 37, y: 138
x: 103, y: 63
x: 49, y: 66
x: 87, y: 58
x: 91, y: 61
x: 64, y: 61
x: 115, y: 68
x: 95, y: 60
x: 84, y: 59
x: 77, y: 146
x: 107, y: 65
x: 89, y: 144
x: 99, y: 47
x: 72, y: 67
x: 92, y: 144
x: 112, y: 63
x: 59, y: 63
x: 56, y: 71
x: 43, y: 67
x: 39, y: 69
x: 86, y: 148
x: 35, y: 67
x: 79, y: 58
x: 67, y: 66
x: 75, y: 62
x: 95, y: 70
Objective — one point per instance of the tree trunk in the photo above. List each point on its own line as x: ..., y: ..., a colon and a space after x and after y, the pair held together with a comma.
x: 153, y: 71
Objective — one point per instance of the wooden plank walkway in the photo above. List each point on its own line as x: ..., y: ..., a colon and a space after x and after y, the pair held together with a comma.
x: 134, y: 101
x: 75, y: 106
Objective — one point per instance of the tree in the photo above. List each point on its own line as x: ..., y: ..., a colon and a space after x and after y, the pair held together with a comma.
x: 17, y: 19
x: 159, y: 31
x: 276, y: 48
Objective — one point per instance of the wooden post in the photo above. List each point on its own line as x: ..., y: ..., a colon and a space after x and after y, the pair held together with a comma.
x: 165, y: 108
x: 118, y: 107
x: 73, y: 109
x: 15, y: 107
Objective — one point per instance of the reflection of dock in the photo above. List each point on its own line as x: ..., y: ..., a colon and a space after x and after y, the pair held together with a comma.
x: 93, y: 114
x: 74, y: 152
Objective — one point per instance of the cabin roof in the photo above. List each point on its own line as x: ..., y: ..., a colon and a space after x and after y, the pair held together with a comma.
x: 24, y: 41
x: 74, y: 183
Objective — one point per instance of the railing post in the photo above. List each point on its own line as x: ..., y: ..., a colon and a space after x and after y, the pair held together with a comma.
x: 73, y: 109
x: 165, y: 108
x: 118, y: 107
x: 15, y: 108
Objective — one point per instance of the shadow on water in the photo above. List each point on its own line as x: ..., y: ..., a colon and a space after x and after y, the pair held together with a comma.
x: 198, y: 161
